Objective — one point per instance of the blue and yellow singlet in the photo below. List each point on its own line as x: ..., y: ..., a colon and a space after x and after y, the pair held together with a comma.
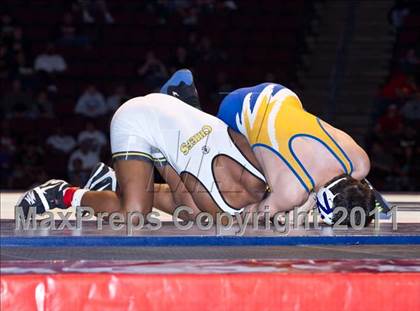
x: 271, y: 116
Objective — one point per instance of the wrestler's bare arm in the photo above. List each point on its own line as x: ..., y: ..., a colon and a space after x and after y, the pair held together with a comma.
x: 275, y: 203
x: 139, y: 193
x: 358, y: 156
x: 168, y: 197
x: 361, y: 164
x: 274, y: 206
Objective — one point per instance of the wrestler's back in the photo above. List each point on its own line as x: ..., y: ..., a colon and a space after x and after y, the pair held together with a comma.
x: 168, y: 124
x: 278, y: 128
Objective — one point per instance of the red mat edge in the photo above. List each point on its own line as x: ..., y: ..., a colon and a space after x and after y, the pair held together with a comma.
x: 250, y: 291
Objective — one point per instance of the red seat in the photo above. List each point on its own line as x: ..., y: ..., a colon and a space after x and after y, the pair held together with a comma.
x: 95, y: 69
x: 64, y: 107
x: 123, y: 70
x: 76, y: 70
x: 412, y: 21
x: 408, y: 37
x: 38, y: 32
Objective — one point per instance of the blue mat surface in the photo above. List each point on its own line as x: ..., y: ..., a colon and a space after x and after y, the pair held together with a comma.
x: 169, y: 235
x: 159, y: 241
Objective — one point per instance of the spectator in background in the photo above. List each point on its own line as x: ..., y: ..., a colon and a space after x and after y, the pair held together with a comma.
x: 405, y: 152
x: 153, y: 72
x: 94, y: 10
x: 391, y: 122
x: 180, y: 60
x: 399, y: 87
x: 48, y: 64
x: 93, y: 137
x: 117, y: 98
x: 7, y: 142
x: 408, y: 143
x: 190, y: 16
x: 40, y: 107
x: 43, y: 106
x: 411, y: 61
x: 77, y: 175
x: 270, y: 77
x: 32, y: 153
x: 91, y: 103
x: 18, y: 177
x: 193, y: 45
x: 40, y: 176
x: 218, y: 6
x: 208, y: 53
x: 6, y: 166
x: 168, y: 6
x: 18, y: 43
x: 60, y: 142
x: 383, y: 166
x: 4, y: 62
x: 7, y: 27
x: 69, y: 34
x: 50, y: 61
x: 411, y: 110
x: 222, y: 86
x: 7, y: 153
x: 16, y: 103
x: 230, y: 5
x: 88, y: 158
x: 21, y: 69
x: 398, y: 13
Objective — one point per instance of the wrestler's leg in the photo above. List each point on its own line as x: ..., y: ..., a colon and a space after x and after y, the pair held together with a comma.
x: 136, y: 190
x: 137, y: 195
x: 135, y: 180
x: 165, y: 198
x: 101, y: 201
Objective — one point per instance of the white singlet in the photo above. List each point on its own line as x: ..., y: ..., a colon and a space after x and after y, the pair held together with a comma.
x: 164, y: 130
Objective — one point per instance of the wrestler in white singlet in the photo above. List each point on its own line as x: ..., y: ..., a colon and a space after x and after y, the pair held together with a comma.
x: 166, y: 131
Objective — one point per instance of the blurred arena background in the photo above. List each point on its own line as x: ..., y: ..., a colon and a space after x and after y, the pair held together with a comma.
x: 66, y: 66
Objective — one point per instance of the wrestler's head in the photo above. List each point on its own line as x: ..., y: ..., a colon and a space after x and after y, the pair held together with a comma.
x: 348, y: 193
